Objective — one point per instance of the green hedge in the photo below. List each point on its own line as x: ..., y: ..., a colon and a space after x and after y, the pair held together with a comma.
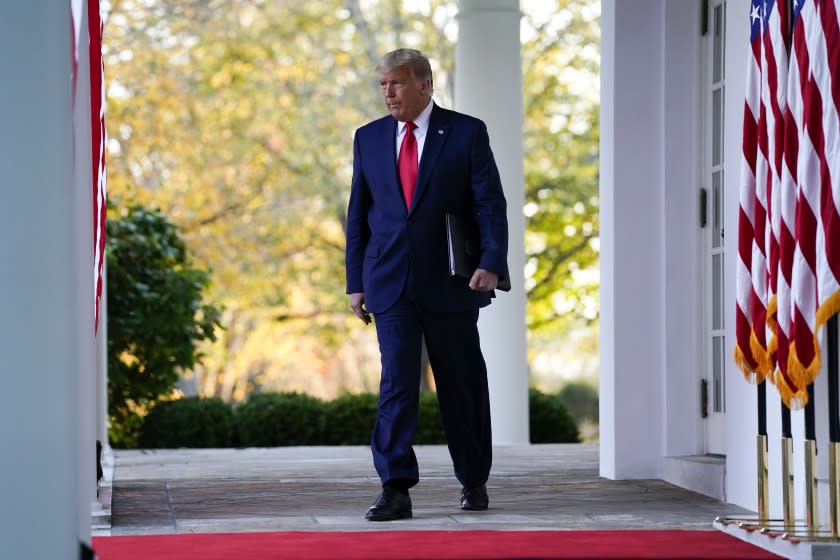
x: 278, y: 419
x: 549, y: 421
x: 581, y: 400
x: 274, y: 419
x: 350, y: 419
x: 188, y: 422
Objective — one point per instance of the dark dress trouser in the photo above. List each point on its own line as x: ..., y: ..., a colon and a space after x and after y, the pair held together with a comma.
x: 460, y: 378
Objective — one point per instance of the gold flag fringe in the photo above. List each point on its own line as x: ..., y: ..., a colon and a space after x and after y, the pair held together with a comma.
x: 773, y: 343
x: 828, y: 309
x: 758, y: 354
x: 762, y: 358
x: 799, y: 373
x: 794, y: 399
x: 772, y: 309
x: 794, y: 396
x: 743, y: 363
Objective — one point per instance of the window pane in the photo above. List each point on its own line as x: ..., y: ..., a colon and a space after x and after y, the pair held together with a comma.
x: 723, y: 42
x: 716, y: 210
x: 717, y: 120
x: 717, y: 373
x: 717, y: 295
x: 717, y: 41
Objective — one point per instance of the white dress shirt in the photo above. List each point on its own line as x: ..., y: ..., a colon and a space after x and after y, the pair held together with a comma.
x: 422, y: 123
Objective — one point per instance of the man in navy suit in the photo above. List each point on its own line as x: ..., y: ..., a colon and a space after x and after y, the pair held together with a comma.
x: 409, y: 169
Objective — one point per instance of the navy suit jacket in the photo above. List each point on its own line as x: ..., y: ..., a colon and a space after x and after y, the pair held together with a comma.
x: 391, y: 250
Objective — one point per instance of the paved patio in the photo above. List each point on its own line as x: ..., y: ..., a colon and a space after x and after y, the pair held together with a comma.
x: 532, y: 487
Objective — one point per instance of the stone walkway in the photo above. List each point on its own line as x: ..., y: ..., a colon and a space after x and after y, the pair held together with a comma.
x: 531, y: 487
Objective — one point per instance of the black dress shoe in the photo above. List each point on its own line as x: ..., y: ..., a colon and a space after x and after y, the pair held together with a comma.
x: 475, y: 499
x: 389, y: 506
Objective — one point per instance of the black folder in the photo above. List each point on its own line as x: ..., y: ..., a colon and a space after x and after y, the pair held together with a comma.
x: 464, y: 244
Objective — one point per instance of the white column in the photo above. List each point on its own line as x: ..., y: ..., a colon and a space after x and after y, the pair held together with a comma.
x: 632, y: 239
x: 488, y: 85
x: 39, y: 357
x: 87, y: 402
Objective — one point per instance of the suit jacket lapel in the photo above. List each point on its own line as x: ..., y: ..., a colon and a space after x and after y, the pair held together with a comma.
x: 435, y: 139
x: 388, y: 147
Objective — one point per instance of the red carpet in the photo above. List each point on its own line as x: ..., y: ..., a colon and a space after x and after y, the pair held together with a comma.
x: 430, y: 545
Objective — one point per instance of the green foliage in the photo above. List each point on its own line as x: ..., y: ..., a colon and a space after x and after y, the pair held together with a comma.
x: 279, y: 419
x: 350, y: 419
x: 156, y: 317
x: 549, y: 421
x: 581, y: 400
x: 560, y: 66
x: 274, y: 419
x: 188, y: 422
x: 124, y: 430
x: 235, y: 117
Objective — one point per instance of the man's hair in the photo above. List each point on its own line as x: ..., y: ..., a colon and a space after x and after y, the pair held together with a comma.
x: 414, y: 60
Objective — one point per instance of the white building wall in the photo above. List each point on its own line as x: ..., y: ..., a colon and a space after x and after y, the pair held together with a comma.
x: 652, y: 279
x: 675, y: 71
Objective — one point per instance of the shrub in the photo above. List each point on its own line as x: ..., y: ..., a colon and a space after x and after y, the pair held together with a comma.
x: 581, y: 400
x: 350, y: 418
x: 274, y: 419
x: 156, y: 315
x: 277, y: 419
x: 188, y: 422
x: 429, y: 428
x: 124, y: 430
x: 549, y: 420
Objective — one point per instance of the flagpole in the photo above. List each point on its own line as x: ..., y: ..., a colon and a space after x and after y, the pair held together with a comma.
x: 787, y: 470
x: 812, y: 504
x: 833, y: 426
x: 761, y: 442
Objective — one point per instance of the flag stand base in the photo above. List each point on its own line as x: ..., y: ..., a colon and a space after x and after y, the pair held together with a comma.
x: 811, y: 503
x: 763, y: 479
x: 787, y: 483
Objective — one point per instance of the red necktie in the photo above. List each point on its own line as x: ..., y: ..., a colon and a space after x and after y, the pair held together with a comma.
x: 408, y: 163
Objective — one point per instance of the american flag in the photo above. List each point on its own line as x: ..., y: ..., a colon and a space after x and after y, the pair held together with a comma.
x: 790, y: 183
x: 818, y: 178
x: 775, y: 18
x: 755, y: 234
x: 795, y: 395
x: 98, y: 138
x: 97, y: 113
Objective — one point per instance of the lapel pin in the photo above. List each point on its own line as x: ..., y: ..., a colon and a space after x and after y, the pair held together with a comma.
x: 440, y: 131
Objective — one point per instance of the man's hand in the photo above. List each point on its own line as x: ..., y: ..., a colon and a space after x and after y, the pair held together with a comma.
x: 484, y: 280
x: 357, y: 302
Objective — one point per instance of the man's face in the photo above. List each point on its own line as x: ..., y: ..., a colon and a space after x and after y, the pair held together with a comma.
x: 404, y: 96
